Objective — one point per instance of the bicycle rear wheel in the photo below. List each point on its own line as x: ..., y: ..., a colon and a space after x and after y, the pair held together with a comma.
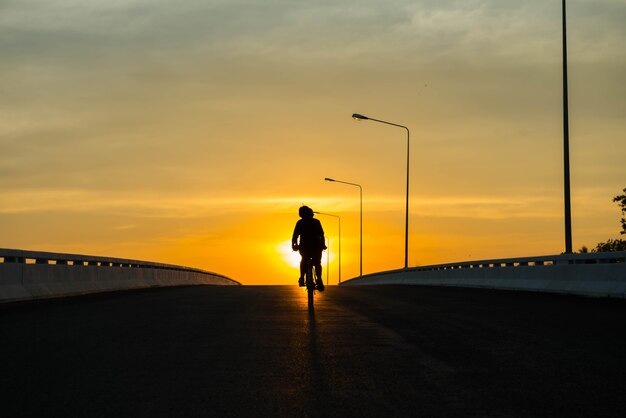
x: 310, y: 283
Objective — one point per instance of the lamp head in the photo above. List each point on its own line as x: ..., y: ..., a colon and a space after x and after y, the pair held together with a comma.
x: 356, y: 116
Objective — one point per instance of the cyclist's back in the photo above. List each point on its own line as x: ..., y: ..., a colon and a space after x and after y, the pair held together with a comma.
x: 311, y: 235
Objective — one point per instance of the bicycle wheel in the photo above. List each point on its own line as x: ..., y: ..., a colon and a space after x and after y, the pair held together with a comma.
x: 310, y: 283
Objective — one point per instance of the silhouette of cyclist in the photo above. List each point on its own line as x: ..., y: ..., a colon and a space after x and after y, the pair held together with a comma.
x: 311, y: 244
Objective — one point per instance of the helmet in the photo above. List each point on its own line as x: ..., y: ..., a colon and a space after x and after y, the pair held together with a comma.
x: 305, y: 212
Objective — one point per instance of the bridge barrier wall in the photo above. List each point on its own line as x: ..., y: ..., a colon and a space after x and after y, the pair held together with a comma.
x: 595, y: 274
x: 28, y: 275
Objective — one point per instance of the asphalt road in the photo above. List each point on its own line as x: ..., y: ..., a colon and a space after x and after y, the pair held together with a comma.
x: 364, y: 351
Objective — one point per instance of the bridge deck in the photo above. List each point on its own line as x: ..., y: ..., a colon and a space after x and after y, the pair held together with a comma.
x: 365, y: 351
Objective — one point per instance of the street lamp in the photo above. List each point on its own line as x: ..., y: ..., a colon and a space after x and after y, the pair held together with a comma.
x: 357, y: 116
x: 361, y: 220
x: 338, y: 219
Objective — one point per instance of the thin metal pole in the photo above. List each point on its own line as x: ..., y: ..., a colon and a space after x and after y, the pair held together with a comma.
x: 406, y: 221
x: 361, y: 220
x: 339, y: 281
x: 339, y: 240
x: 567, y: 198
x: 328, y: 263
x: 361, y: 233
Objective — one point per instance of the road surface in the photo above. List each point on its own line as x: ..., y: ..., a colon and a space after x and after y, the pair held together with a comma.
x: 364, y: 351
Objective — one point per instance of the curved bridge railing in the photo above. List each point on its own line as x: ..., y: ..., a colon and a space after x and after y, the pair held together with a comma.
x: 36, y: 274
x: 593, y: 274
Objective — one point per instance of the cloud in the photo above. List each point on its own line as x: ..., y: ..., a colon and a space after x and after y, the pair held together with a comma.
x: 158, y: 206
x: 124, y: 227
x: 151, y: 204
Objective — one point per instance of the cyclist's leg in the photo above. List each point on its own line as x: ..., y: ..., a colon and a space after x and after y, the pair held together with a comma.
x: 317, y: 262
x: 302, y: 268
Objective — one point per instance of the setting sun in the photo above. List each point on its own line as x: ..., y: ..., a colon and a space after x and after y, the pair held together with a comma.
x: 292, y: 258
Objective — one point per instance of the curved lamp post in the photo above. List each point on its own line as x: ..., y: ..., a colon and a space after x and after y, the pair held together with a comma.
x: 357, y: 116
x: 339, y: 219
x: 361, y: 219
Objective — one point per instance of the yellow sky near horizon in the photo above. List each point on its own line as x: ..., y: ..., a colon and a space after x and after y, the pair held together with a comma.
x: 191, y: 133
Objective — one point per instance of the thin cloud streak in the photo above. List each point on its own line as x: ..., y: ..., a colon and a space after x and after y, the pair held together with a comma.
x: 150, y: 206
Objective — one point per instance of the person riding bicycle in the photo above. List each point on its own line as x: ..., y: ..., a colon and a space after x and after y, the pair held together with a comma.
x: 311, y: 244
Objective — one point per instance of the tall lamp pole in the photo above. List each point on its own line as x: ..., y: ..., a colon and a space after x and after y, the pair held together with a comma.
x: 328, y: 263
x: 568, y: 207
x: 361, y: 220
x: 357, y: 116
x: 339, y: 234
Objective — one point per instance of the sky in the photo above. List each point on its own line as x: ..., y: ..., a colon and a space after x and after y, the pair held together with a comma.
x: 191, y: 132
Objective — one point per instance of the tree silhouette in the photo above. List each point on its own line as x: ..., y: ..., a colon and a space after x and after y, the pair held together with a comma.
x: 621, y: 201
x: 612, y: 244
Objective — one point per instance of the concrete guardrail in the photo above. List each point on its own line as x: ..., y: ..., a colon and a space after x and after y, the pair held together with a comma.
x: 594, y: 274
x: 28, y: 275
